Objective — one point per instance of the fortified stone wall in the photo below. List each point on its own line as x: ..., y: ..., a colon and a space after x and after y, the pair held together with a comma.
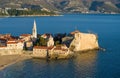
x: 84, y: 41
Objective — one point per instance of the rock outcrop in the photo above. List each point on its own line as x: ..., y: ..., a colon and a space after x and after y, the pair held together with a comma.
x: 84, y: 42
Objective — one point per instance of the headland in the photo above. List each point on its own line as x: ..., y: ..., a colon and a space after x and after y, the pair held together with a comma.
x: 47, y: 46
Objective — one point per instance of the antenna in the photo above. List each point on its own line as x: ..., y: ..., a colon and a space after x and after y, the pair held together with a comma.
x: 76, y: 28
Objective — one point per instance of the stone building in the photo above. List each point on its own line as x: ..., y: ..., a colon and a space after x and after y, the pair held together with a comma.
x: 53, y: 51
x: 41, y: 51
x: 5, y: 36
x: 3, y: 42
x: 61, y: 49
x: 29, y: 45
x: 15, y: 44
x: 46, y: 35
x: 13, y: 47
x: 25, y: 37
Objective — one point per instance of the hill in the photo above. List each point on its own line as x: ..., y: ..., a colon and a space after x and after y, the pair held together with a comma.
x: 67, y: 6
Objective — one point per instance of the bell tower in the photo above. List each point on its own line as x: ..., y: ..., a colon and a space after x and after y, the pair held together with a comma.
x: 34, y: 30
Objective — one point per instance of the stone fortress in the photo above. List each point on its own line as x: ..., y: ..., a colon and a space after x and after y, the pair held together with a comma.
x: 10, y: 45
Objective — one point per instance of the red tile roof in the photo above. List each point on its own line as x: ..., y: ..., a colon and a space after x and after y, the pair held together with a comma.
x: 60, y: 48
x: 21, y: 41
x: 49, y: 48
x: 47, y: 35
x: 11, y: 39
x: 43, y: 47
x: 5, y: 36
x: 11, y: 42
x: 25, y: 35
x: 3, y: 39
x: 40, y: 47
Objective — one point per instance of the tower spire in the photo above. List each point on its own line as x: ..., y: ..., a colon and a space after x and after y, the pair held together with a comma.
x: 34, y: 33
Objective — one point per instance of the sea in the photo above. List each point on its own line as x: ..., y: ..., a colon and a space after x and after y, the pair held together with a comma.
x: 92, y: 64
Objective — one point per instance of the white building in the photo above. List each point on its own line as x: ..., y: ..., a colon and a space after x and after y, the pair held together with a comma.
x: 15, y: 44
x: 13, y: 47
x: 50, y: 42
x: 49, y: 38
x: 25, y: 37
x: 20, y: 44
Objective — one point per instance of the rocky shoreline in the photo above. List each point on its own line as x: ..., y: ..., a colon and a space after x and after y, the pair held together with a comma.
x: 7, y: 60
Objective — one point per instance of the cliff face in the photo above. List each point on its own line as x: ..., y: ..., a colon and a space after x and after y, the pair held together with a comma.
x: 84, y: 41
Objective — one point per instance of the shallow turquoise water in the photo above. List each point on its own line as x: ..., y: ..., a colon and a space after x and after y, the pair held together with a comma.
x: 85, y: 65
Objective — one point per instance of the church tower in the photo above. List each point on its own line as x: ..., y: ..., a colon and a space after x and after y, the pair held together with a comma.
x: 34, y: 30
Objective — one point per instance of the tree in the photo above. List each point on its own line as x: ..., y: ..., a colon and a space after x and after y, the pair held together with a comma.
x: 43, y: 42
x: 14, y: 12
x: 57, y: 43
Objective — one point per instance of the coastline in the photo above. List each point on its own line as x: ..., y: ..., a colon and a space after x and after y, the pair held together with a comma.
x: 61, y: 14
x: 30, y: 15
x: 7, y: 60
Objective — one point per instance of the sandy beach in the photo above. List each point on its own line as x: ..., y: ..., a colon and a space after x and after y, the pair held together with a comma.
x: 7, y: 60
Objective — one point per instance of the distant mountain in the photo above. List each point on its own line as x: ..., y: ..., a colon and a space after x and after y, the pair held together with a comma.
x: 67, y: 6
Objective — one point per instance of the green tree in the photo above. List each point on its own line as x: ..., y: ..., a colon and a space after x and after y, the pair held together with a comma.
x: 57, y: 42
x: 43, y: 42
x: 14, y: 12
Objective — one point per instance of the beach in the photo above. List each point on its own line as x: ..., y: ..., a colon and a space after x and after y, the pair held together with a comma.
x: 7, y: 60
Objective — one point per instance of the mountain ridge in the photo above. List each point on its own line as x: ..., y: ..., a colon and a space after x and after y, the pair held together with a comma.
x: 68, y: 6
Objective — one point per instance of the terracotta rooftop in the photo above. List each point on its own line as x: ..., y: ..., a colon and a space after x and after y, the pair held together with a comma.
x: 49, y: 48
x: 21, y: 41
x: 11, y: 39
x: 5, y: 35
x: 3, y: 39
x: 11, y: 42
x: 57, y: 48
x: 60, y: 48
x: 40, y: 47
x: 43, y: 47
x: 47, y: 35
x: 26, y: 35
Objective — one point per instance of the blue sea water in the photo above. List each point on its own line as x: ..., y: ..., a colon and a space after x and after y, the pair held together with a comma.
x: 93, y: 64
